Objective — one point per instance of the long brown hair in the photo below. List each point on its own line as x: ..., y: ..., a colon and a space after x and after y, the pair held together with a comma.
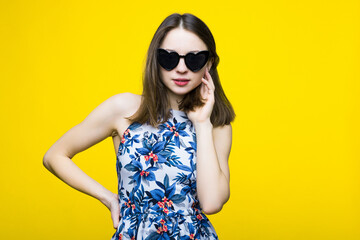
x: 155, y: 106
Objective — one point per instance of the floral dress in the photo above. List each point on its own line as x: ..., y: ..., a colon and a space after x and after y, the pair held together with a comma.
x: 156, y: 169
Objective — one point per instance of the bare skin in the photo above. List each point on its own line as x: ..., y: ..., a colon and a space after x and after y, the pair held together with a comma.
x: 109, y: 119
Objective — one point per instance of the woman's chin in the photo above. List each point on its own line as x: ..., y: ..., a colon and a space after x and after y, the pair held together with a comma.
x: 181, y: 92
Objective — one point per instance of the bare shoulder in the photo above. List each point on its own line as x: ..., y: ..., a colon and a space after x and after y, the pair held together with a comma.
x: 125, y: 104
x: 99, y: 124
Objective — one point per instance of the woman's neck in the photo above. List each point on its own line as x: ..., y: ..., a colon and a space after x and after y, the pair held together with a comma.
x: 174, y: 100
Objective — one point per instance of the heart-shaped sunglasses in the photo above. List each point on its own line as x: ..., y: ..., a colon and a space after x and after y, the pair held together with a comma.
x: 193, y: 61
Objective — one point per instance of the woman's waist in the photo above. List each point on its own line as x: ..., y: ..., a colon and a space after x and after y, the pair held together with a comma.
x: 190, y: 209
x: 178, y: 215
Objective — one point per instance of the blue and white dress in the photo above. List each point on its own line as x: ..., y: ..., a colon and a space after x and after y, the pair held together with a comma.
x: 156, y: 169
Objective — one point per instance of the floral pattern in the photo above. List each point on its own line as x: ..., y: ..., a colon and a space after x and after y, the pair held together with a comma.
x: 156, y: 169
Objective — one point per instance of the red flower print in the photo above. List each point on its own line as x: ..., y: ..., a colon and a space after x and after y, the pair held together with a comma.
x: 151, y: 155
x: 127, y: 132
x: 159, y: 230
x: 161, y: 204
x: 120, y: 236
x: 169, y: 203
x: 142, y: 173
x: 199, y: 216
x: 128, y: 204
x: 162, y: 229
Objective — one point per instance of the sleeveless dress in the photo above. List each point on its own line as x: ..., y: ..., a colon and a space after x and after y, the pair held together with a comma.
x: 156, y: 169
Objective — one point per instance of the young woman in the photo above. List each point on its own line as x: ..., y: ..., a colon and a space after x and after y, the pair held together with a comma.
x: 172, y: 143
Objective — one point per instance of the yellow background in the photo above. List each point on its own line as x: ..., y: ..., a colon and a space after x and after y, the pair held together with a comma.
x: 290, y: 69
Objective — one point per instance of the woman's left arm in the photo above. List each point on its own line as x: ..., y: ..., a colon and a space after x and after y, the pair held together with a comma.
x: 213, y: 176
x: 213, y: 146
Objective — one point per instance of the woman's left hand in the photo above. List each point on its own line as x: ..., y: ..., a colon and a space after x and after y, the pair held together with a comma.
x: 207, y: 88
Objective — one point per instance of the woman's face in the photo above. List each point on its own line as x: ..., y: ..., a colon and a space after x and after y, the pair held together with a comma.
x: 182, y: 41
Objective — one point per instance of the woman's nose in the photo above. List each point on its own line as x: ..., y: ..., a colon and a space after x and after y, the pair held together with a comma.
x: 181, y: 67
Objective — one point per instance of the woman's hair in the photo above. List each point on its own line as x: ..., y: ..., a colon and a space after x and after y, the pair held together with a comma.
x: 155, y: 105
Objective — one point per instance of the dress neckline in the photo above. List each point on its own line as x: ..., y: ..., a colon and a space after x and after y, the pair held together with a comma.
x: 177, y: 110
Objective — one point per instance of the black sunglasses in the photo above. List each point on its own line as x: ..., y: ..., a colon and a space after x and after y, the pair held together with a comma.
x: 193, y: 61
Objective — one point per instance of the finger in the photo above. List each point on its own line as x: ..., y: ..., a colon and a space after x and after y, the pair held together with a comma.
x: 208, y: 85
x: 116, y: 216
x: 203, y: 91
x: 210, y: 79
x: 116, y: 224
x: 116, y: 220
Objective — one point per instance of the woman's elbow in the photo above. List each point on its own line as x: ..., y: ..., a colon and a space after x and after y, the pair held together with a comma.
x: 213, y: 207
x: 47, y: 162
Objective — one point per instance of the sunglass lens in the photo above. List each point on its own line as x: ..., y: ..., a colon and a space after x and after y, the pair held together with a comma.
x: 196, y: 61
x: 168, y: 60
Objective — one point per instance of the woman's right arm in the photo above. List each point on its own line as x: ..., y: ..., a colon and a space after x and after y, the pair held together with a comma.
x: 97, y: 126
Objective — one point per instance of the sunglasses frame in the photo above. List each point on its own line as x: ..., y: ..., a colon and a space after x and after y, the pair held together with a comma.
x: 206, y: 52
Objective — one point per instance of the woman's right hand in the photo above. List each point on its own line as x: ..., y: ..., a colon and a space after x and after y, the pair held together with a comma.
x: 112, y: 204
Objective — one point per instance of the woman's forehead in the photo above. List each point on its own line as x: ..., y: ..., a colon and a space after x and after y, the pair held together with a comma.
x: 182, y: 41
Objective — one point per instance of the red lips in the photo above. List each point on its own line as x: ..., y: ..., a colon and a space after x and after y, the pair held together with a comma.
x: 181, y: 81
